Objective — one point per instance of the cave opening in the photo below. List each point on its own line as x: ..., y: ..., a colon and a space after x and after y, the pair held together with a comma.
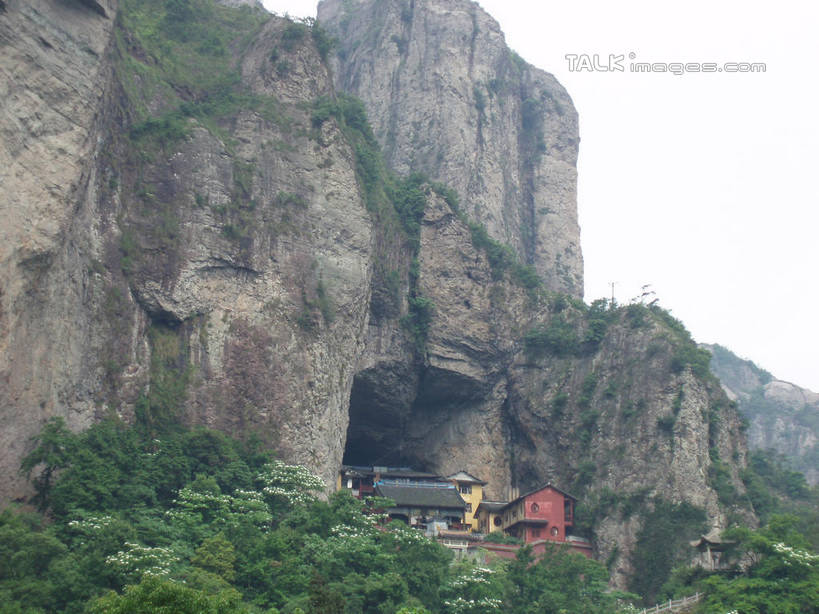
x: 380, y: 407
x: 399, y: 413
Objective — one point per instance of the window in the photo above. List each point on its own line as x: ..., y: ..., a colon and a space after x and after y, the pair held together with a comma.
x: 497, y: 521
x: 535, y: 508
x: 535, y: 532
x: 468, y: 507
x: 466, y: 489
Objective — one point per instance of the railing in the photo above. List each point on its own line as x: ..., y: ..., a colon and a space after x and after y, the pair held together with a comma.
x: 415, y: 483
x: 673, y: 605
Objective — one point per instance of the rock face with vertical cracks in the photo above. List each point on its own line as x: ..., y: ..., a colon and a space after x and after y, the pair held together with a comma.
x: 447, y: 97
x: 53, y: 76
x: 234, y: 265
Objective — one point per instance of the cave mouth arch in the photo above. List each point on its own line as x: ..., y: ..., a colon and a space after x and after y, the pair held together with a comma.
x: 381, y: 402
x: 398, y: 411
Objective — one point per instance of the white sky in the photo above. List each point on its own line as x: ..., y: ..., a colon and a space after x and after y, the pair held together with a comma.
x: 702, y: 185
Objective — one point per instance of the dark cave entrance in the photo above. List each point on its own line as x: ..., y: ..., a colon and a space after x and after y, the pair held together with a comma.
x: 397, y: 413
x: 380, y: 406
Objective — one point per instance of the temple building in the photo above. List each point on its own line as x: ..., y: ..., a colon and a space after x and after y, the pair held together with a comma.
x: 452, y: 508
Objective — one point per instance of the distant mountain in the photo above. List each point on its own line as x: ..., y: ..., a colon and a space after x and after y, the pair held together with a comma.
x: 782, y: 416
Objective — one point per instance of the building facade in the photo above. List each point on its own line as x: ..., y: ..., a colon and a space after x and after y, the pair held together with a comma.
x: 454, y: 507
x: 471, y: 490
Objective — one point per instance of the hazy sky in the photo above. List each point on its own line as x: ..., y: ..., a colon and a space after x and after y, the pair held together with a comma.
x: 702, y: 185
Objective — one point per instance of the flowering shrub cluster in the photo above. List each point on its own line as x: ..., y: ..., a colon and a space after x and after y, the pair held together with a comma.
x: 90, y: 524
x: 136, y: 561
x: 795, y: 556
x: 460, y: 605
x: 292, y: 483
x: 474, y: 592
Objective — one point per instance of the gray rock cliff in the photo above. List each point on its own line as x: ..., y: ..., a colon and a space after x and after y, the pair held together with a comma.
x: 781, y: 415
x: 447, y: 97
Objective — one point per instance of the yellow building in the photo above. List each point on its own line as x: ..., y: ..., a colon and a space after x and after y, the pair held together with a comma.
x: 489, y: 516
x: 471, y: 490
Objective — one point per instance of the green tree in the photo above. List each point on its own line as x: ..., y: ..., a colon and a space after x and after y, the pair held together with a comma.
x: 783, y: 577
x: 559, y: 582
x: 51, y: 453
x: 155, y: 594
x: 216, y: 555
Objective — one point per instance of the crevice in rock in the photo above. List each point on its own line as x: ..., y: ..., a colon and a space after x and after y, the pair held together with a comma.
x: 93, y: 5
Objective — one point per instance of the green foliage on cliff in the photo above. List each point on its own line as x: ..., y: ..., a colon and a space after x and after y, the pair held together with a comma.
x: 774, y: 488
x: 396, y: 203
x: 175, y: 53
x: 772, y: 569
x: 661, y: 542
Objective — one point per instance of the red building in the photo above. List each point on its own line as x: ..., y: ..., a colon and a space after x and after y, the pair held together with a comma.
x: 545, y: 514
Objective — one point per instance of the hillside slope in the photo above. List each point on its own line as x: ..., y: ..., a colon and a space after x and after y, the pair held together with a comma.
x: 782, y: 416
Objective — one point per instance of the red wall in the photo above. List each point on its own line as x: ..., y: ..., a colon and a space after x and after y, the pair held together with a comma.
x: 549, y: 504
x: 538, y: 548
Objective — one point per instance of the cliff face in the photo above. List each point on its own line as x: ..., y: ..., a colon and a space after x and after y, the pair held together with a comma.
x: 448, y: 98
x: 226, y: 269
x: 53, y: 77
x: 781, y: 415
x: 199, y: 230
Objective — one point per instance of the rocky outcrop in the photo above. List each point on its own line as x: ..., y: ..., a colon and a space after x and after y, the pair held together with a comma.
x: 448, y: 98
x: 53, y: 77
x: 781, y: 415
x: 614, y: 415
x: 227, y: 271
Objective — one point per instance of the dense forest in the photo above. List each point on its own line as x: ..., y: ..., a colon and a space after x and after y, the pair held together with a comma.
x: 133, y: 519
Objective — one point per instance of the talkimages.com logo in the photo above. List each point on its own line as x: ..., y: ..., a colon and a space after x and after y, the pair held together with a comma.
x: 595, y: 62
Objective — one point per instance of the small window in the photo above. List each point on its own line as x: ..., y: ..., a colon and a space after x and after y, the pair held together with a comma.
x: 468, y: 507
x: 555, y: 531
x: 535, y: 508
x: 497, y: 521
x: 466, y: 489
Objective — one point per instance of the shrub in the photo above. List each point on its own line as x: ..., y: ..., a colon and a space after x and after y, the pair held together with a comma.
x: 661, y: 543
x: 293, y: 34
x: 559, y: 338
x: 666, y: 424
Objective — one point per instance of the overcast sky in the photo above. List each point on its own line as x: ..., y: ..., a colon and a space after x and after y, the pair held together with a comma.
x: 702, y: 185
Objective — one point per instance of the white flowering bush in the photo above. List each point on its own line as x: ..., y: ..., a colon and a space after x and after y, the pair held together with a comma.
x: 101, y: 534
x: 795, y: 556
x: 292, y: 484
x: 347, y: 549
x: 136, y: 561
x: 473, y: 592
x: 90, y: 525
x: 405, y: 536
x: 193, y: 508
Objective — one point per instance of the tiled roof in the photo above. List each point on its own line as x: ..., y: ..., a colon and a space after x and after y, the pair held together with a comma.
x: 463, y: 476
x: 547, y: 485
x: 493, y: 506
x: 392, y: 472
x: 421, y: 496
